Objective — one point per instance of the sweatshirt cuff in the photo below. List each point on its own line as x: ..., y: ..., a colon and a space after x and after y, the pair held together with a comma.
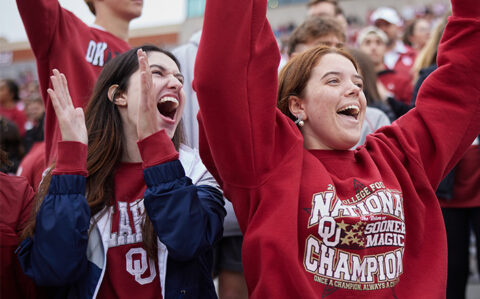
x: 71, y: 158
x: 157, y: 149
x: 466, y: 9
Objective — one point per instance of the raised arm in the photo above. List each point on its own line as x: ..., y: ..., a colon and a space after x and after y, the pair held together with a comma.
x: 447, y: 118
x: 40, y: 18
x: 236, y: 84
x: 187, y: 217
x: 56, y: 254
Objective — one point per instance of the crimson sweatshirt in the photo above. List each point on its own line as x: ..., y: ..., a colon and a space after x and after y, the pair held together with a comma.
x: 332, y: 224
x: 16, y: 200
x: 61, y: 40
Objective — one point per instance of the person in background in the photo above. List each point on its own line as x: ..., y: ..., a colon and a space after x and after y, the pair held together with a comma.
x: 398, y: 56
x: 11, y: 143
x: 426, y: 61
x: 327, y: 8
x: 16, y: 199
x: 8, y: 104
x: 58, y: 38
x: 416, y: 34
x: 132, y: 215
x: 373, y: 42
x: 228, y: 251
x: 32, y: 165
x: 322, y: 8
x: 327, y: 31
x: 321, y: 220
x: 459, y: 197
x: 313, y: 32
x: 35, y: 111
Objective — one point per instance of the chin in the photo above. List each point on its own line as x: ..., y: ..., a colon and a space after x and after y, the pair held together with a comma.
x: 347, y: 144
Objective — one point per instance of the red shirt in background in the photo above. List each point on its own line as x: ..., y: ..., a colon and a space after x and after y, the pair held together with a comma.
x: 16, y: 200
x: 466, y: 188
x: 33, y: 165
x: 17, y: 116
x: 398, y: 84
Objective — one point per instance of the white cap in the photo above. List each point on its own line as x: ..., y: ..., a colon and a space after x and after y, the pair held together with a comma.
x: 388, y: 14
x: 371, y: 29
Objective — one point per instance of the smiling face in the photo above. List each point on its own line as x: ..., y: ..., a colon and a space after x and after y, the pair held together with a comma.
x: 167, y: 90
x: 333, y: 105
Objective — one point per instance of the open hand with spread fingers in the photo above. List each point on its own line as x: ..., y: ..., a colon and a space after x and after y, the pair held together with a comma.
x: 148, y: 118
x: 71, y: 120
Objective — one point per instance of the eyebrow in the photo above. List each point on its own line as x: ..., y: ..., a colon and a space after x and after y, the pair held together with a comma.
x: 338, y: 74
x: 330, y: 73
x: 163, y: 69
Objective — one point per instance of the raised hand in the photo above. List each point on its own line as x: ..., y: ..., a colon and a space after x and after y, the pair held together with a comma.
x: 70, y: 119
x: 148, y: 121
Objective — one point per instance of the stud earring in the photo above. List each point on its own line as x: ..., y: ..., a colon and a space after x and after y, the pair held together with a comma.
x: 299, y: 121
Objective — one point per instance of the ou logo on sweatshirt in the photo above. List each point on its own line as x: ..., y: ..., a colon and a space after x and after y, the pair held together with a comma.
x: 137, y: 264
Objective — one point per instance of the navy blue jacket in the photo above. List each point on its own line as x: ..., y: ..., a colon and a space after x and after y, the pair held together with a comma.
x: 67, y: 251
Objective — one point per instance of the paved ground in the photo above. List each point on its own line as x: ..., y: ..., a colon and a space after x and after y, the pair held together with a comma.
x: 473, y: 291
x: 473, y: 287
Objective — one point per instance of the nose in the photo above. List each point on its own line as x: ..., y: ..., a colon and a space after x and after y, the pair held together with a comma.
x: 353, y: 89
x: 174, y: 82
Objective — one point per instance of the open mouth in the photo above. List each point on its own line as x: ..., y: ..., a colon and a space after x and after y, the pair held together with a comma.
x: 168, y: 107
x: 351, y: 110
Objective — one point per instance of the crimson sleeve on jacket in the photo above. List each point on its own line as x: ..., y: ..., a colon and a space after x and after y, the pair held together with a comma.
x: 236, y: 85
x: 157, y: 149
x: 72, y: 158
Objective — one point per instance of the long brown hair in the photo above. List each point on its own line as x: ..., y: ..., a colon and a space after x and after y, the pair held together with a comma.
x: 106, y: 142
x: 428, y: 55
x: 295, y: 74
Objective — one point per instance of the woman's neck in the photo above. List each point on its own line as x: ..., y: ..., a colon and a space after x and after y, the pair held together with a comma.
x: 114, y: 25
x: 131, y: 153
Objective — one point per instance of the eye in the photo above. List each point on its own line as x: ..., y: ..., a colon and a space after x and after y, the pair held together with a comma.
x: 180, y: 78
x: 157, y: 72
x: 360, y: 84
x: 333, y: 81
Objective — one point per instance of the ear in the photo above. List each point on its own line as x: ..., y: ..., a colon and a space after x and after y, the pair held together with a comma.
x: 116, y: 96
x: 296, y: 107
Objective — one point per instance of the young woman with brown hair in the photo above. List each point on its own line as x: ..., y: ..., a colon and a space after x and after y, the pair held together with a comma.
x: 321, y: 220
x: 136, y: 213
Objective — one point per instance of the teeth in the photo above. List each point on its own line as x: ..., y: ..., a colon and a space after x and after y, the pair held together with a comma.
x: 351, y: 107
x: 170, y: 99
